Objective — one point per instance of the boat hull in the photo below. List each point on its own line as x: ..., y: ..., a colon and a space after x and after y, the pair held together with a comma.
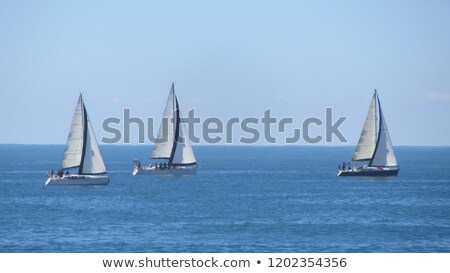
x: 189, y: 170
x: 369, y: 172
x: 78, y: 180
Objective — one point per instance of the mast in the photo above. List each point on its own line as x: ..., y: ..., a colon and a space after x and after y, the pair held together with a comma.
x: 379, y: 130
x: 177, y: 132
x: 85, y: 132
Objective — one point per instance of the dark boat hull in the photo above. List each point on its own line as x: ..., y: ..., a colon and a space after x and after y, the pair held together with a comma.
x: 369, y: 172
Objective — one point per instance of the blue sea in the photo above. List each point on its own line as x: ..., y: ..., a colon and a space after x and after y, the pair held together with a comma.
x: 243, y: 199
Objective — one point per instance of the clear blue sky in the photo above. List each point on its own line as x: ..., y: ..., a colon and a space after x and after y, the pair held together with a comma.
x: 227, y: 58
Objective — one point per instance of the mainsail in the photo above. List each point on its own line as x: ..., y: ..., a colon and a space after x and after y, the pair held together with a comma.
x: 164, y: 142
x: 384, y: 155
x: 368, y: 139
x: 81, y: 149
x: 74, y: 145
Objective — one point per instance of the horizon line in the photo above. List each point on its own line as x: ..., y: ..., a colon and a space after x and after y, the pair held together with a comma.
x: 224, y: 145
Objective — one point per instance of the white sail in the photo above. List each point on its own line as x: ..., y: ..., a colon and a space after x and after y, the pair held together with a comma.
x: 183, y: 153
x: 175, y: 145
x: 384, y: 155
x: 368, y: 139
x: 93, y: 161
x: 164, y: 142
x: 74, y: 145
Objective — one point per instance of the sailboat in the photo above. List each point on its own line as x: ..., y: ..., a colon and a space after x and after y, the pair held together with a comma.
x: 81, y: 153
x: 375, y: 148
x: 172, y: 145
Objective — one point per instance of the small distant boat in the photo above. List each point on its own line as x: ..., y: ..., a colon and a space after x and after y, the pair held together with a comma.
x: 172, y: 145
x: 81, y: 153
x: 372, y: 147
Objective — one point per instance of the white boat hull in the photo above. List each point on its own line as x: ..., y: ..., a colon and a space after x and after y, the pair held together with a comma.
x: 369, y: 171
x: 78, y: 180
x: 188, y: 170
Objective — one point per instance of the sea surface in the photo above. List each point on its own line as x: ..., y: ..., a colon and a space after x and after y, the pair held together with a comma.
x: 243, y: 199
